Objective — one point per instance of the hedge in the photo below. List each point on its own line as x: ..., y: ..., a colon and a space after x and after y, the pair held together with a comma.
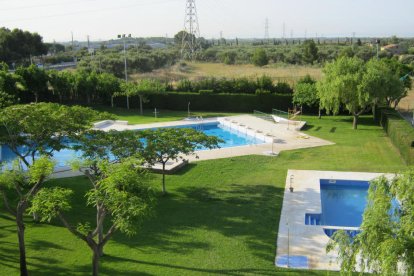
x: 213, y: 102
x: 400, y: 132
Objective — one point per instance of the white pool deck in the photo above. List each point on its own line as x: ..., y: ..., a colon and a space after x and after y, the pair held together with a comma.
x: 284, y: 138
x: 297, y: 239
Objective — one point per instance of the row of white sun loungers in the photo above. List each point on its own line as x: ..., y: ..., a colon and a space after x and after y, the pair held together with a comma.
x: 249, y: 128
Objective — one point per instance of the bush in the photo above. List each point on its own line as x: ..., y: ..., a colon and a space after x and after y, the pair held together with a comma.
x: 283, y: 88
x: 400, y: 132
x: 260, y: 58
x: 203, y: 92
x: 213, y: 102
x: 261, y: 91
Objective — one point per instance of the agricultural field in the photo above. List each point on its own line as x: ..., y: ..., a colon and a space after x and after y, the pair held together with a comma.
x: 196, y: 70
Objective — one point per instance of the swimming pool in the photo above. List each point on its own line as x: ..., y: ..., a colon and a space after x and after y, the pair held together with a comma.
x: 343, y: 204
x: 230, y: 137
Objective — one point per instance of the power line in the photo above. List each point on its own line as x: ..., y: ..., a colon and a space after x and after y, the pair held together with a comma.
x: 45, y: 5
x: 87, y: 11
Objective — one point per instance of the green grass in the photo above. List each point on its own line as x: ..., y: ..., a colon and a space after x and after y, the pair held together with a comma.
x: 133, y: 116
x: 221, y: 217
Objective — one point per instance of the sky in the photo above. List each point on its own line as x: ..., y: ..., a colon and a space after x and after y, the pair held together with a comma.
x: 104, y: 19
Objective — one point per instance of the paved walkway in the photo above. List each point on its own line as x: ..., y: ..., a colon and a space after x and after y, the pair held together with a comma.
x: 297, y: 240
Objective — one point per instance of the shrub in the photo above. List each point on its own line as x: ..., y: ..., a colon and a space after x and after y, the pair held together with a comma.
x: 203, y: 92
x: 260, y: 58
x: 213, y: 102
x: 261, y: 91
x: 283, y: 88
x: 400, y: 132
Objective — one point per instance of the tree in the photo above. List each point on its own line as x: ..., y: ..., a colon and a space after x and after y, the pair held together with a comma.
x: 26, y: 184
x: 97, y: 146
x: 260, y: 58
x: 11, y: 85
x: 18, y: 45
x: 306, y: 93
x: 36, y: 81
x: 31, y: 131
x: 310, y: 51
x: 341, y: 86
x: 385, y: 243
x: 124, y: 194
x: 61, y: 83
x: 142, y: 89
x: 178, y: 37
x: 382, y: 82
x: 108, y: 85
x: 165, y: 144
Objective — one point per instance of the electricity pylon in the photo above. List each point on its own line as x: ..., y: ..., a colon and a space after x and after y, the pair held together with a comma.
x: 267, y: 30
x: 190, y: 39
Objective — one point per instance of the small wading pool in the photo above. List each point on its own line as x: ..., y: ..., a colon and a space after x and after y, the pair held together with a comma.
x: 231, y: 138
x: 343, y: 203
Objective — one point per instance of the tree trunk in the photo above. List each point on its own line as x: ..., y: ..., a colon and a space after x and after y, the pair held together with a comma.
x: 100, y: 231
x: 164, y: 190
x: 141, y: 110
x: 127, y: 102
x: 20, y: 235
x: 355, y: 123
x: 95, y: 261
x: 320, y: 114
x: 374, y: 107
x: 112, y: 101
x: 35, y: 217
x: 36, y: 97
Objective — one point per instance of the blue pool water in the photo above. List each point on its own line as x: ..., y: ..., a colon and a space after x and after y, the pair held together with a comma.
x: 343, y: 202
x: 230, y: 137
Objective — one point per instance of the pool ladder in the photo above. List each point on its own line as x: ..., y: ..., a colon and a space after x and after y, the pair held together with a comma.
x: 313, y: 219
x: 199, y: 126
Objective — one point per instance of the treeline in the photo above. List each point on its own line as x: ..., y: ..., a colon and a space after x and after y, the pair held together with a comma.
x: 288, y: 54
x: 18, y: 47
x: 139, y: 60
x: 33, y: 84
x: 260, y: 85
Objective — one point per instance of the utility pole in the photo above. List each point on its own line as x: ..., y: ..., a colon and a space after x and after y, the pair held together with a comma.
x: 190, y: 44
x: 73, y: 49
x: 284, y: 30
x: 124, y: 37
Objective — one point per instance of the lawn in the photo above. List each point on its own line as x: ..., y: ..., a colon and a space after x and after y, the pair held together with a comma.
x: 220, y: 217
x: 133, y: 117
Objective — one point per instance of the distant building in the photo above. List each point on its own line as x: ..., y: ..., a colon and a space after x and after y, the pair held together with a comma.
x: 395, y: 49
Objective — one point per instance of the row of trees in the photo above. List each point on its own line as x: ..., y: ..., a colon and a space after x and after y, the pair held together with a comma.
x: 307, y: 53
x: 114, y: 162
x: 356, y: 86
x: 139, y: 60
x: 33, y: 84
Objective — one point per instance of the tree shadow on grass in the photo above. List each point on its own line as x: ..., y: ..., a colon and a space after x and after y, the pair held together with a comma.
x: 181, y: 268
x: 362, y: 121
x: 247, y: 213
